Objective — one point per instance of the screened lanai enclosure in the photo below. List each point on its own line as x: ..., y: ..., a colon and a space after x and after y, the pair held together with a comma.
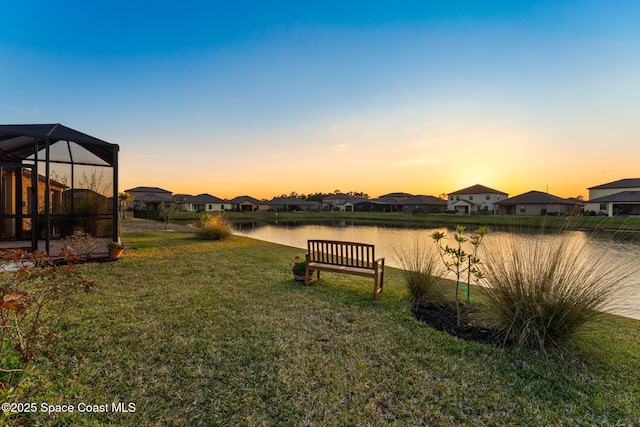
x: 54, y: 182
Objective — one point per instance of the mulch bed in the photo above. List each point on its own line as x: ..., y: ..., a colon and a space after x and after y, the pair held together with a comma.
x: 443, y: 317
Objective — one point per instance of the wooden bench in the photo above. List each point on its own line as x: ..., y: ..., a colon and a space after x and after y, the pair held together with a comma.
x: 344, y: 257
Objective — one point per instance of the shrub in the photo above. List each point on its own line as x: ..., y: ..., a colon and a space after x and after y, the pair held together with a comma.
x: 30, y: 283
x: 216, y: 227
x: 80, y: 243
x: 542, y: 293
x: 423, y: 275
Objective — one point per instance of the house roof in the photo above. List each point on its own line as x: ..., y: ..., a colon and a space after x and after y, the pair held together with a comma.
x: 153, y: 197
x: 243, y: 199
x: 204, y: 198
x: 621, y: 183
x: 621, y: 197
x: 22, y: 141
x: 147, y: 190
x: 477, y: 189
x: 27, y: 174
x: 537, y: 198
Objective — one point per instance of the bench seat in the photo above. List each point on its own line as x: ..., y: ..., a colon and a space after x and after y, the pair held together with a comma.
x: 352, y: 258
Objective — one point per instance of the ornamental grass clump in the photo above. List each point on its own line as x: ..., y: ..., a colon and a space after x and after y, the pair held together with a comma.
x: 216, y: 227
x: 423, y: 275
x: 543, y: 292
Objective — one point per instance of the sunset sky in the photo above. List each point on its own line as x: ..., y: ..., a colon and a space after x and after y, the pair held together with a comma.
x: 268, y: 97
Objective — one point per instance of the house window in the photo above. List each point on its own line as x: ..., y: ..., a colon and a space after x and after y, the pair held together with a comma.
x: 457, y: 197
x: 603, y: 206
x: 210, y: 207
x: 471, y: 197
x: 522, y: 209
x: 488, y: 197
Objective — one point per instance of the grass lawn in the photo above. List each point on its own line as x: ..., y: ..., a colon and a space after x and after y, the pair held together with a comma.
x: 217, y: 333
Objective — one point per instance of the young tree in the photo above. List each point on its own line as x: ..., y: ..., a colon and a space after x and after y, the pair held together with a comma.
x: 458, y: 261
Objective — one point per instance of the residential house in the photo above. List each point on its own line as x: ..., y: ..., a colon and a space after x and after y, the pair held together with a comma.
x: 356, y: 204
x: 206, y: 203
x: 475, y: 199
x: 538, y: 203
x: 405, y: 202
x: 617, y: 198
x: 150, y: 198
x: 336, y: 201
x: 423, y: 204
x: 179, y: 201
x: 248, y: 204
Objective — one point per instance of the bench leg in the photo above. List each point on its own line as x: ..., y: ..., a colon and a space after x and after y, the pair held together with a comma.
x: 308, y: 276
x: 375, y: 287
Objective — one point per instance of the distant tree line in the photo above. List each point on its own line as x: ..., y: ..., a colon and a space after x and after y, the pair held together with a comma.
x: 318, y: 197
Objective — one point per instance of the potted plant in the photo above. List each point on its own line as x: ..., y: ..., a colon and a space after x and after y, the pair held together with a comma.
x: 298, y: 268
x: 115, y: 249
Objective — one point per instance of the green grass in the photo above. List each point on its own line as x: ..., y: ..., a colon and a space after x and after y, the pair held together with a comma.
x: 217, y: 333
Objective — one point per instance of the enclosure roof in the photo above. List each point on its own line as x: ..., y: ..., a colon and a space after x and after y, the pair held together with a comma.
x: 537, y: 197
x: 621, y: 197
x: 17, y: 141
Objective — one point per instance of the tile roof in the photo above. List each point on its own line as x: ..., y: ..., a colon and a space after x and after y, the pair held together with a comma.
x: 150, y: 197
x: 621, y: 183
x: 147, y: 190
x: 242, y: 199
x: 204, y: 198
x: 477, y: 189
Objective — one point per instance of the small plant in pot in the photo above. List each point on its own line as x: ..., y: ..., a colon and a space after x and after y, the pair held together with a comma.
x: 115, y: 250
x: 298, y: 268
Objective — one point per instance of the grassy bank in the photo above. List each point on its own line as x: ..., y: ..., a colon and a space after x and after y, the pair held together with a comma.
x: 504, y: 222
x: 217, y: 333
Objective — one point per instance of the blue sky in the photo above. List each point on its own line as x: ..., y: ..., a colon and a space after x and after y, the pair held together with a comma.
x: 265, y: 98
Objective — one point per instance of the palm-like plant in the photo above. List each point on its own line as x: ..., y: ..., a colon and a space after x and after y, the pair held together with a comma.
x: 123, y: 199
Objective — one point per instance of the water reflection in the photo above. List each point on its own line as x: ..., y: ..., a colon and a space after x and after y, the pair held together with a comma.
x: 388, y: 240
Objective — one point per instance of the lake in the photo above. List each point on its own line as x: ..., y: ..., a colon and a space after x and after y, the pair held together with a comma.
x: 388, y: 240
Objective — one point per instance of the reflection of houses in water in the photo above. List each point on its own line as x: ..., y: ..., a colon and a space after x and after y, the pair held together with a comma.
x: 32, y: 202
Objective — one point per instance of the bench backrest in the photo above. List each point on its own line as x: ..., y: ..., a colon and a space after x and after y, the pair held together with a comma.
x: 341, y: 253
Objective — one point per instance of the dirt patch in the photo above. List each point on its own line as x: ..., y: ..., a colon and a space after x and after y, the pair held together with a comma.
x: 443, y: 317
